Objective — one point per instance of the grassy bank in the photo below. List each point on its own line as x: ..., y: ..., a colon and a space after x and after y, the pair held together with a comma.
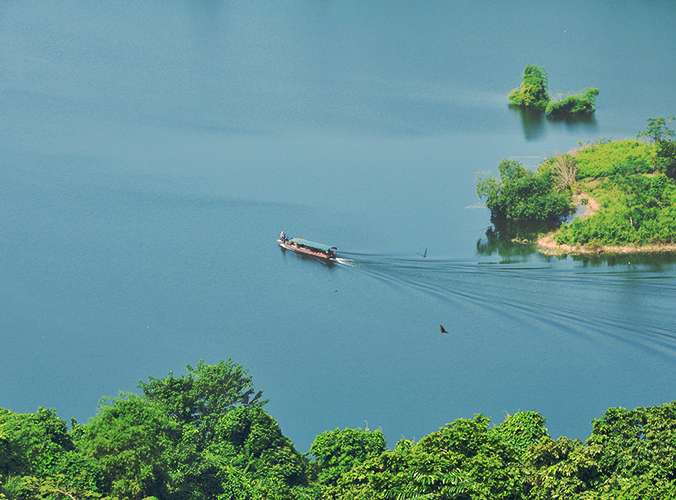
x: 635, y: 203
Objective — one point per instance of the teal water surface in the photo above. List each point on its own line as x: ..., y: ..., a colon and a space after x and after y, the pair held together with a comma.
x: 152, y: 151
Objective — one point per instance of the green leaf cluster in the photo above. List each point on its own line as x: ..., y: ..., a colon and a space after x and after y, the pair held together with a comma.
x: 524, y: 196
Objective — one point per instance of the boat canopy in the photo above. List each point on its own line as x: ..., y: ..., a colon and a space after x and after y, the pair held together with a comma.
x: 313, y: 244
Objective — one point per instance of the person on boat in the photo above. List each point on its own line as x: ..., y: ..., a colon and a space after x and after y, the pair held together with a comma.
x: 282, y: 237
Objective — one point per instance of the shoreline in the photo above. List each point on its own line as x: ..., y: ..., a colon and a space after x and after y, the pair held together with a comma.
x: 547, y: 246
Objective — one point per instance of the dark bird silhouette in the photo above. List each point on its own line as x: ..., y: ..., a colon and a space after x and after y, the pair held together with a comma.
x: 442, y: 329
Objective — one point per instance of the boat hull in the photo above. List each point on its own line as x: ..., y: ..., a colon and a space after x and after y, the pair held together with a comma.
x: 284, y: 245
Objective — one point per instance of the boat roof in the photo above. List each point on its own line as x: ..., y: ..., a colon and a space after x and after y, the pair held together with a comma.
x: 312, y: 244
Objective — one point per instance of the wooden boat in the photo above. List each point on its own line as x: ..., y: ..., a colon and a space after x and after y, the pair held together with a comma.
x: 310, y: 248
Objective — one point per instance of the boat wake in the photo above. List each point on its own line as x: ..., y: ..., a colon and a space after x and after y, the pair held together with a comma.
x: 345, y: 262
x: 583, y: 301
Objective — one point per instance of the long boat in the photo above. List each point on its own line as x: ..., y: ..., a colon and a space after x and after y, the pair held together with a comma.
x: 310, y: 248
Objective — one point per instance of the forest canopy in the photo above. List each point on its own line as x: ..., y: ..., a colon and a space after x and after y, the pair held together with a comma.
x: 206, y: 434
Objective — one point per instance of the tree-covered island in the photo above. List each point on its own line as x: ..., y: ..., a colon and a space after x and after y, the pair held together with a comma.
x: 206, y: 435
x: 623, y: 194
x: 533, y: 94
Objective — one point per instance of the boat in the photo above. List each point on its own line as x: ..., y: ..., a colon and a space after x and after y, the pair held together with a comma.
x: 309, y: 248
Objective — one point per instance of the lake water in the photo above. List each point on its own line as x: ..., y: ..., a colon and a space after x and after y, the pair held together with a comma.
x: 151, y: 153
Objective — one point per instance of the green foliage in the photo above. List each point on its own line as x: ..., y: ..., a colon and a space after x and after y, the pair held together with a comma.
x: 522, y: 195
x: 561, y: 468
x: 532, y: 93
x: 464, y: 459
x: 630, y: 454
x: 577, y: 104
x: 627, y: 156
x: 663, y: 138
x: 203, y: 392
x: 521, y: 430
x: 131, y: 439
x: 339, y: 450
x: 252, y: 439
x: 636, y: 209
x: 657, y: 130
x: 38, y: 444
x: 564, y: 170
x: 136, y: 447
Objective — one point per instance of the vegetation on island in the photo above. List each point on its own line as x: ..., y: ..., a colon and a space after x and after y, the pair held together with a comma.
x: 206, y: 434
x: 522, y: 195
x: 583, y: 103
x: 630, y: 181
x: 533, y: 94
x: 659, y: 133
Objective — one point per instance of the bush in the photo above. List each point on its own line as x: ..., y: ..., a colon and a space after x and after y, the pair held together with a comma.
x: 583, y: 103
x: 532, y: 93
x: 627, y: 156
x: 565, y: 172
x: 663, y: 137
x: 524, y: 196
x: 637, y: 210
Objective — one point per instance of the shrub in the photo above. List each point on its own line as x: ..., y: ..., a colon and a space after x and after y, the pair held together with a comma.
x: 663, y: 137
x: 532, y: 93
x: 577, y: 104
x: 637, y: 210
x: 564, y: 170
x: 522, y: 195
x: 627, y: 156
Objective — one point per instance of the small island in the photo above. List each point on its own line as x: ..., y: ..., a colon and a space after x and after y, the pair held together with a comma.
x: 533, y: 94
x: 605, y: 197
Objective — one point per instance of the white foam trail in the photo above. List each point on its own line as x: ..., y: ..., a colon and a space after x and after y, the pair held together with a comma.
x: 345, y: 262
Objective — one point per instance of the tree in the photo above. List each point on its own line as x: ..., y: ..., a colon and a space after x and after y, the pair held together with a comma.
x: 637, y: 444
x: 564, y: 172
x: 336, y: 452
x: 532, y: 93
x: 246, y: 438
x: 524, y: 196
x: 522, y: 430
x: 658, y: 132
x: 131, y: 439
x: 39, y: 446
x: 463, y: 459
x: 204, y: 392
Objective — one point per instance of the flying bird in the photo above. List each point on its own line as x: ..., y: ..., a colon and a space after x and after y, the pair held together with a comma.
x: 442, y: 329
